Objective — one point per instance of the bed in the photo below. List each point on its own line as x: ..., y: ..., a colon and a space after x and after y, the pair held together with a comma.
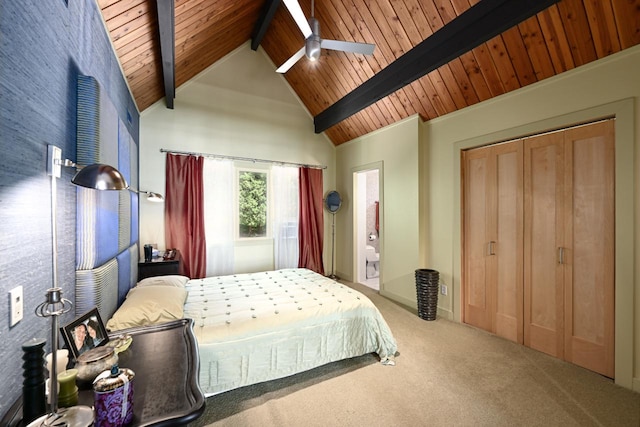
x: 261, y: 326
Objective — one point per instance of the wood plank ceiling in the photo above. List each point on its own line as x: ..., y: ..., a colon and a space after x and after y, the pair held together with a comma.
x: 568, y: 34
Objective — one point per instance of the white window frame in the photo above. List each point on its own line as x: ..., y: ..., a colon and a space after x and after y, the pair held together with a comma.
x: 268, y: 232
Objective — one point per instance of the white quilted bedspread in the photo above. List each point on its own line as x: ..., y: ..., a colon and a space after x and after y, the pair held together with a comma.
x: 261, y: 326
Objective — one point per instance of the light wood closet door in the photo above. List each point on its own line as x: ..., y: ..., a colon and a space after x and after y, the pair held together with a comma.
x: 589, y: 247
x: 544, y: 228
x: 507, y: 233
x: 538, y: 243
x: 493, y: 239
x: 569, y: 245
x: 477, y: 291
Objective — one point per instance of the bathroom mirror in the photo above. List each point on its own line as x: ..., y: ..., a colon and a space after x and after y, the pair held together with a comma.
x: 333, y: 201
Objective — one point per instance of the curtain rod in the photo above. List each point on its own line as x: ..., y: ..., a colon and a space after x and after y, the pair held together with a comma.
x: 245, y: 159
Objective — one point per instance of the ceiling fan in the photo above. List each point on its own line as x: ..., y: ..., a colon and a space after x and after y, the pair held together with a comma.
x: 313, y: 43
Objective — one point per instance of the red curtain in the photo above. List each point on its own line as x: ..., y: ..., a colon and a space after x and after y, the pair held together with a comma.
x: 311, y: 227
x: 184, y: 212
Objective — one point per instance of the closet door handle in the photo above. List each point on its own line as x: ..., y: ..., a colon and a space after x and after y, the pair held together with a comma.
x: 490, y: 248
x: 560, y: 255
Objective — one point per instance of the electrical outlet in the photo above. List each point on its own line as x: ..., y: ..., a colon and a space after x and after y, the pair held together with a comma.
x: 443, y: 289
x: 15, y: 305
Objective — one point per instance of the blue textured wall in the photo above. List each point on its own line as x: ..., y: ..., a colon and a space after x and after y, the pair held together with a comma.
x: 44, y: 45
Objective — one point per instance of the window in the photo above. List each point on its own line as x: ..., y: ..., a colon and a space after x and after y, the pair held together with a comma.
x: 252, y: 204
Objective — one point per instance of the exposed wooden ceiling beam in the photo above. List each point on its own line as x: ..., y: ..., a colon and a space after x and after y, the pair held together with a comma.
x: 478, y: 24
x: 263, y: 22
x: 166, y: 28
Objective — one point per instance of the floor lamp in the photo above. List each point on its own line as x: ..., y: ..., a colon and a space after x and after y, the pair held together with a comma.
x: 98, y: 177
x: 332, y: 204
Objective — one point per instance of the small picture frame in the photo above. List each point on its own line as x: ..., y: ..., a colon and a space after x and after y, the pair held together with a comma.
x: 84, y: 333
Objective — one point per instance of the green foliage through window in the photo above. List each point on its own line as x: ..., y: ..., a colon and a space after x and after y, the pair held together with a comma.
x: 253, y: 204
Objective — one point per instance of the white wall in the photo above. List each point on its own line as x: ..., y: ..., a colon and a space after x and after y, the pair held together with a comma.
x: 238, y: 107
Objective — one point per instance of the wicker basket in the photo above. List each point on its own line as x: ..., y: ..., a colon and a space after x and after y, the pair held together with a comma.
x: 427, y: 292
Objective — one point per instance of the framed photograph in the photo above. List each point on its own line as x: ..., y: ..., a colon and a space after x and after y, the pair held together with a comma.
x: 85, y: 333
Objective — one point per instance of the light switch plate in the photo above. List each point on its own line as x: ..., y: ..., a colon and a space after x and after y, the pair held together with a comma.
x: 16, y: 307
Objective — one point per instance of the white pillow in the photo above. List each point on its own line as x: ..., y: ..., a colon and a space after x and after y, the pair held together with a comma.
x: 171, y: 280
x: 149, y: 305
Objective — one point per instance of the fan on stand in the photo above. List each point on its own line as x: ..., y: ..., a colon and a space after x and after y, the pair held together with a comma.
x: 332, y: 204
x: 313, y: 43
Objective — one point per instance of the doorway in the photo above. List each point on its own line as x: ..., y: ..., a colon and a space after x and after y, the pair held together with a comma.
x: 367, y: 226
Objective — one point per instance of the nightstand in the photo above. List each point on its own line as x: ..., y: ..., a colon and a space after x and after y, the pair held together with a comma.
x: 166, y: 364
x: 160, y: 267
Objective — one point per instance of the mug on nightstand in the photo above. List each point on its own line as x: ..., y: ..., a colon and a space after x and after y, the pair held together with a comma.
x: 148, y: 253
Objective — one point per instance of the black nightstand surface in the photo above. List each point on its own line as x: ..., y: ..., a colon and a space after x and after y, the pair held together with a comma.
x: 166, y: 364
x: 159, y: 266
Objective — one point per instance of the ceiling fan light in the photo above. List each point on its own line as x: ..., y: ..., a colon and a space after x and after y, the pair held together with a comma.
x: 313, y: 48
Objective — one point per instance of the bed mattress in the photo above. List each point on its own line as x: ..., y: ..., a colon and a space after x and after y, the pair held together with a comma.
x: 257, y: 327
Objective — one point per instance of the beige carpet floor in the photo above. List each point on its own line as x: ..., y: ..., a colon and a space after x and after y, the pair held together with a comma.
x: 447, y: 374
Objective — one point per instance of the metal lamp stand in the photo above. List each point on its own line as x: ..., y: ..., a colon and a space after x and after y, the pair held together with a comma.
x: 55, y: 306
x: 75, y: 416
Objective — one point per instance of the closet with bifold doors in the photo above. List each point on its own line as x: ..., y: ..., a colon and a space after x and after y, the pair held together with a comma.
x: 538, y: 242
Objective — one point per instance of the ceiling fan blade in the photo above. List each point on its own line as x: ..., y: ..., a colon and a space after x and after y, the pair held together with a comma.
x: 298, y: 15
x: 296, y: 56
x: 363, y: 48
